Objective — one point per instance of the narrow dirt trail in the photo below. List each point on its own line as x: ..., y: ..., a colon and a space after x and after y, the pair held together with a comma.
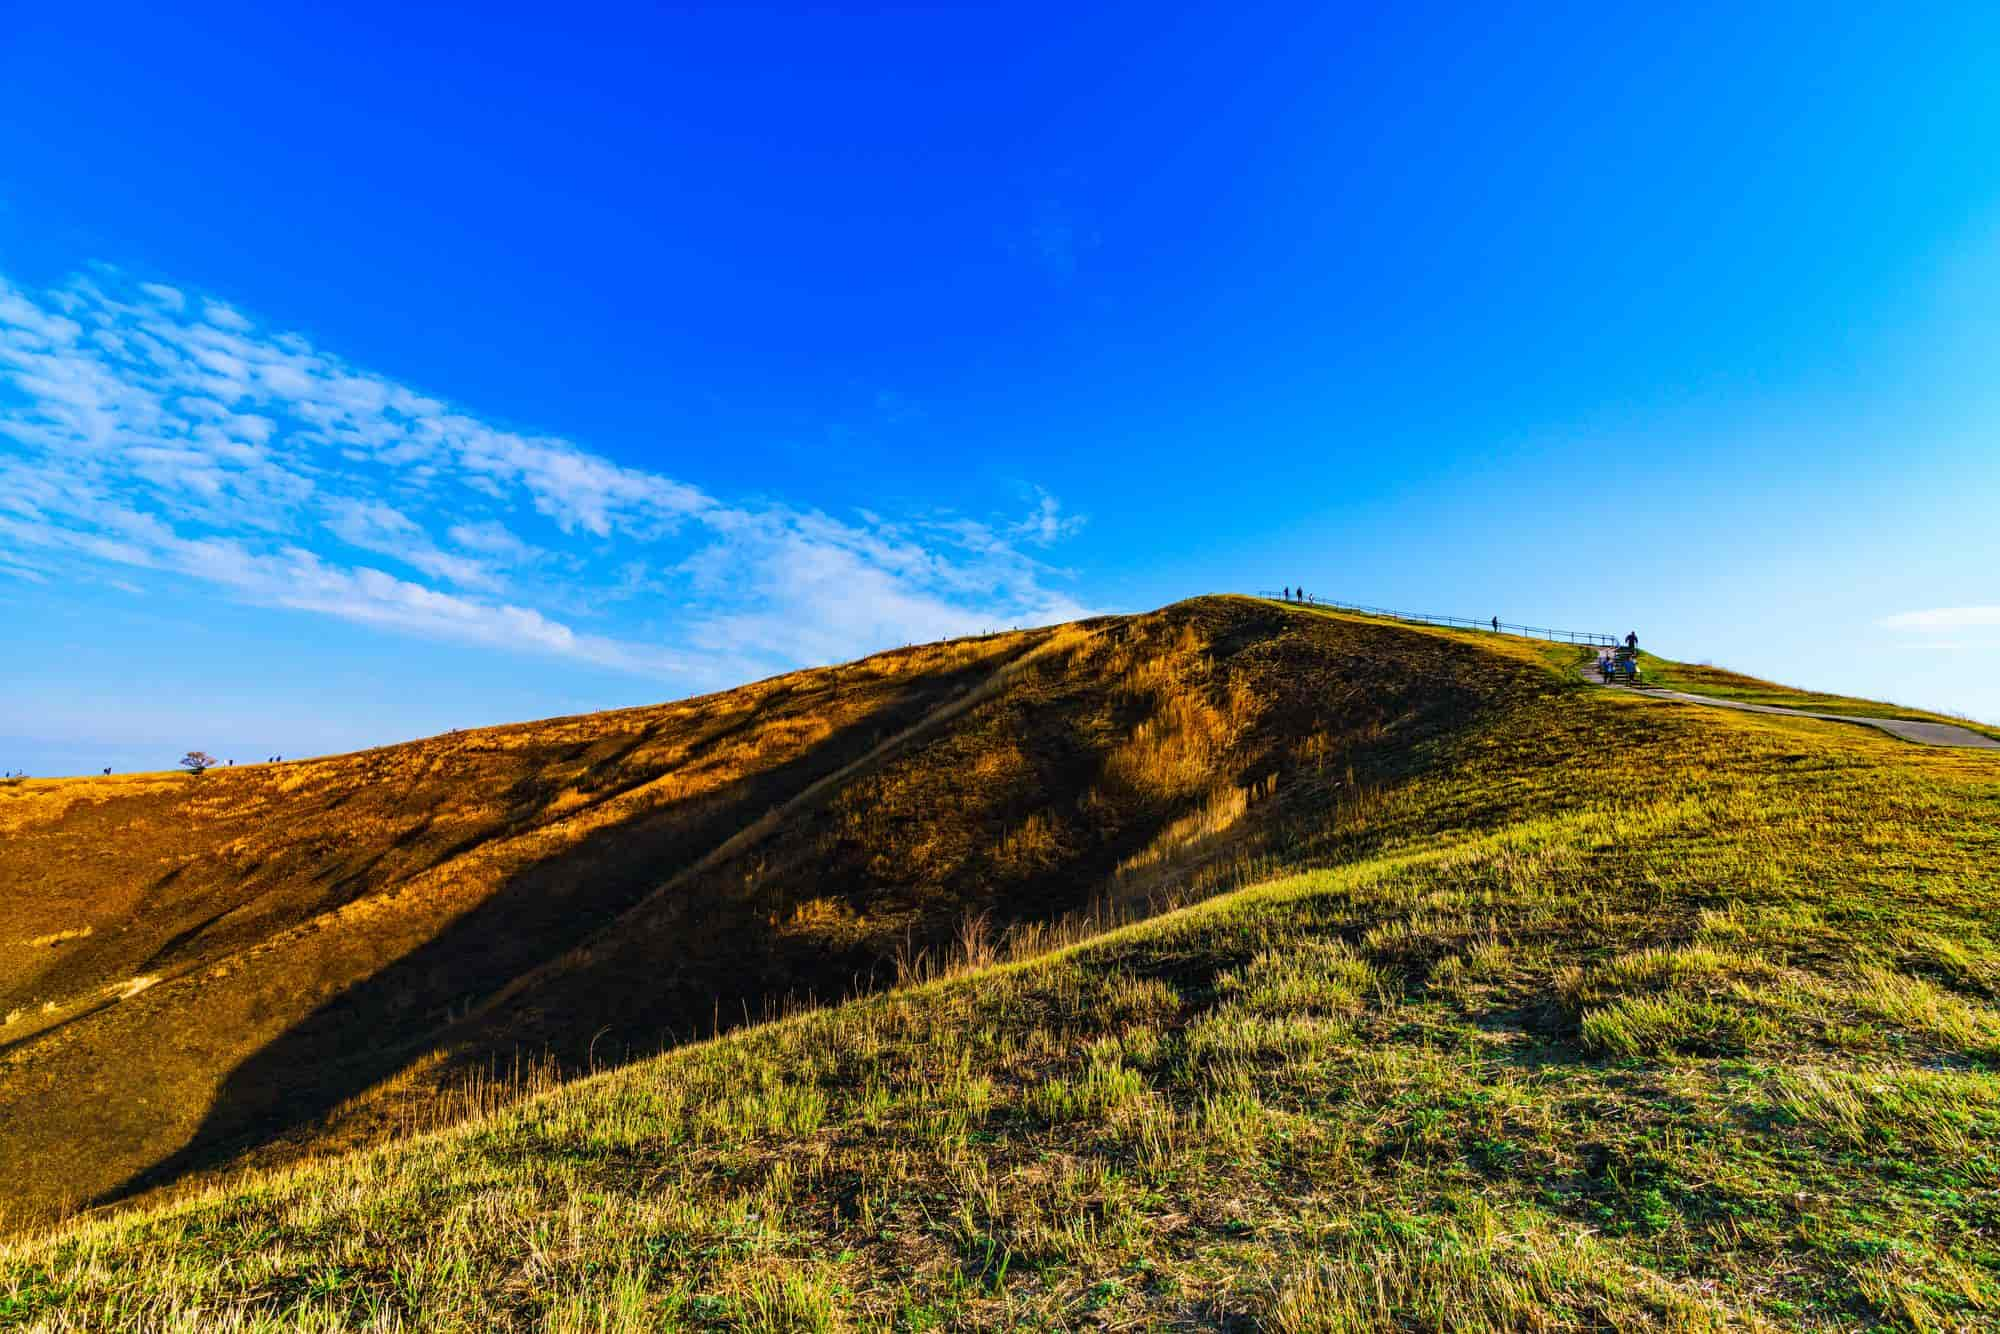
x: 1908, y: 729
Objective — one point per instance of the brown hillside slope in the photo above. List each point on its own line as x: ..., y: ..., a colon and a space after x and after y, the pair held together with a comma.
x: 1624, y: 1015
x: 1117, y: 765
x: 628, y: 879
x: 160, y: 930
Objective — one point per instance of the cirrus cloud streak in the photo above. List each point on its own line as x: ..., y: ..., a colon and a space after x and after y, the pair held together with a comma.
x: 145, y: 428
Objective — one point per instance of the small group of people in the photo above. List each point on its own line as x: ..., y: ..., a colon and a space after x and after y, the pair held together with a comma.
x: 1300, y: 596
x: 1621, y: 663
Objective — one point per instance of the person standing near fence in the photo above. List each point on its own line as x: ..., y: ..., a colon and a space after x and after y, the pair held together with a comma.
x: 1496, y: 625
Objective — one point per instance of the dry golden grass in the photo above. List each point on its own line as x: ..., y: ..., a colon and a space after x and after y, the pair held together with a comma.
x: 1697, y: 1036
x: 270, y: 961
x: 1697, y: 1033
x: 402, y: 883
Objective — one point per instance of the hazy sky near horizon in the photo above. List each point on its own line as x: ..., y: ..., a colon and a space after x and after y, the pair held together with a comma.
x: 368, y: 374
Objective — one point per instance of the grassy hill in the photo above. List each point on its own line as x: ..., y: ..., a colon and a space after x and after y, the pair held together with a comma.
x: 269, y: 961
x: 1704, y: 679
x: 1579, y: 1011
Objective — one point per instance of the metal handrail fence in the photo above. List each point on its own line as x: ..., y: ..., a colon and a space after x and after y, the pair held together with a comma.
x: 1590, y: 637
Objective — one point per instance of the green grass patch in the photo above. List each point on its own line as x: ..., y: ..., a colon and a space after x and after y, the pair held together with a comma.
x: 1703, y: 679
x: 1624, y: 1018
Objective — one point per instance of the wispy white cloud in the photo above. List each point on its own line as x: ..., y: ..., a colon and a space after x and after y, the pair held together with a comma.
x: 492, y: 539
x: 1046, y: 524
x: 145, y: 428
x: 169, y: 298
x: 1943, y: 618
x: 387, y: 531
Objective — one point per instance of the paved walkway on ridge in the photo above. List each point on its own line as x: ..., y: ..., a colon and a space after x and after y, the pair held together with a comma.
x: 1924, y: 734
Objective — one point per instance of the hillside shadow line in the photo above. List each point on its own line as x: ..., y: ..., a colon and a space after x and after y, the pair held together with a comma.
x: 374, y: 1027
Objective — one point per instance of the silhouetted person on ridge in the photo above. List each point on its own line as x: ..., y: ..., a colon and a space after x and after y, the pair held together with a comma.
x: 1632, y: 641
x: 1496, y: 625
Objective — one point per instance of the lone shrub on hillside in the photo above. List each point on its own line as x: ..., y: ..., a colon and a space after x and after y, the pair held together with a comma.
x: 197, y: 761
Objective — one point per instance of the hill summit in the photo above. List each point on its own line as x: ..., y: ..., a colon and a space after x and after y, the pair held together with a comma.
x: 232, y: 957
x: 1454, y: 993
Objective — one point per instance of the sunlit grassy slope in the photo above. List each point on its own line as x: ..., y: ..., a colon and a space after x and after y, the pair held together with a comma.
x: 1702, y: 679
x: 265, y: 962
x: 1614, y: 1015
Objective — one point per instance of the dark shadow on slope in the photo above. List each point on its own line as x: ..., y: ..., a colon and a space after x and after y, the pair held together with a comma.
x: 714, y: 950
x: 181, y: 939
x: 374, y: 1028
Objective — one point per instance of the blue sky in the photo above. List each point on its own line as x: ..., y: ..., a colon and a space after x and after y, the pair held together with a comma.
x: 364, y: 375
